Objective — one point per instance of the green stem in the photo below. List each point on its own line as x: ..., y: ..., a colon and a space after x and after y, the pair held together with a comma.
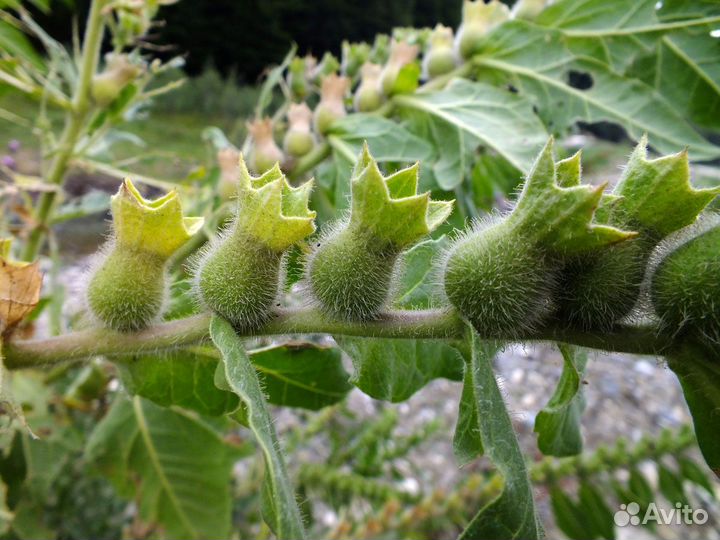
x: 425, y: 324
x: 311, y: 160
x: 74, y: 127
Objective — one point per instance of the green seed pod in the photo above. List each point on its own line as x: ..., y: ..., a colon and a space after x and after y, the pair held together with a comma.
x: 685, y: 281
x: 478, y: 19
x: 354, y: 56
x: 298, y: 140
x: 118, y: 73
x: 239, y: 275
x: 350, y: 272
x: 503, y: 277
x: 653, y: 197
x: 368, y: 96
x: 401, y: 73
x: 265, y: 152
x: 440, y: 58
x: 127, y: 288
x: 332, y: 103
x: 297, y: 78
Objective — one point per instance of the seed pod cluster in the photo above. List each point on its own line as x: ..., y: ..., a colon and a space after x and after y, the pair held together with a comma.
x: 240, y: 274
x: 351, y: 269
x: 503, y: 276
x: 127, y: 286
x: 654, y: 198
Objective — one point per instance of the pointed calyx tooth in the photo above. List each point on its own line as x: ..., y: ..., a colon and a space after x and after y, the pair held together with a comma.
x: 389, y: 206
x: 20, y: 284
x: 655, y: 195
x: 270, y: 210
x: 556, y: 211
x: 441, y: 37
x: 152, y: 226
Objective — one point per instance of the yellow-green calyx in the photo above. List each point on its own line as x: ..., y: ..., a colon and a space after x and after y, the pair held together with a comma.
x: 127, y: 288
x: 350, y: 271
x: 239, y: 275
x: 653, y: 197
x: 504, y: 275
x: 478, y: 18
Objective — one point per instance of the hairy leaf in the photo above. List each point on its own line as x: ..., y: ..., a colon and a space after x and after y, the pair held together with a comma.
x: 558, y: 424
x: 280, y: 508
x: 512, y: 513
x: 394, y: 369
x: 540, y: 64
x: 417, y: 286
x: 503, y: 122
x: 176, y: 466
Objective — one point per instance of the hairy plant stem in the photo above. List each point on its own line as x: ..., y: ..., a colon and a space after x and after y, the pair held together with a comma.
x: 425, y: 324
x: 75, y: 121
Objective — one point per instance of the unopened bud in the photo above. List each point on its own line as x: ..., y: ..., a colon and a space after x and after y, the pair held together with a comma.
x: 299, y: 139
x: 332, y: 102
x: 440, y: 58
x: 368, y: 96
x: 266, y: 152
x: 119, y: 71
x: 399, y: 67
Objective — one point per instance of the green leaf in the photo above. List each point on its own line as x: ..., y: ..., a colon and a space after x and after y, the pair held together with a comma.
x: 6, y: 515
x: 568, y: 517
x: 303, y: 375
x: 272, y: 80
x: 417, y: 286
x: 671, y: 486
x: 698, y: 370
x: 512, y: 513
x: 174, y: 465
x: 501, y: 121
x: 394, y: 369
x: 694, y: 473
x: 280, y: 509
x: 558, y: 424
x: 184, y: 378
x: 539, y: 63
x: 467, y: 442
x: 595, y: 510
x: 671, y: 49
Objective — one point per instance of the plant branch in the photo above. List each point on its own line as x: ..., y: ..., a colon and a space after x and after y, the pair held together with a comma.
x: 425, y: 324
x: 74, y: 125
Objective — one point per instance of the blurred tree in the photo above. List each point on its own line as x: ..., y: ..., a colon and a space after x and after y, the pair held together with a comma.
x: 251, y: 34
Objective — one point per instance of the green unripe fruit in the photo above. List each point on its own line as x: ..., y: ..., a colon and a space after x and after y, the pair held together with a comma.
x: 368, y: 96
x: 240, y: 280
x: 477, y: 20
x: 502, y: 286
x: 332, y: 103
x: 240, y: 275
x: 439, y: 61
x: 298, y: 140
x: 351, y: 275
x: 126, y: 290
x: 653, y: 197
x: 598, y: 291
x: 685, y: 285
x: 503, y: 278
x: 350, y: 272
x: 400, y: 73
x: 118, y: 73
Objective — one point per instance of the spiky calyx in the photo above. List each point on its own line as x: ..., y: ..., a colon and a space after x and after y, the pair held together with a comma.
x: 265, y: 152
x: 299, y: 139
x: 478, y: 18
x: 653, y: 197
x: 503, y: 277
x: 401, y: 73
x: 368, y: 96
x: 332, y: 102
x: 127, y: 288
x: 685, y: 282
x: 239, y: 276
x: 440, y: 58
x: 350, y: 271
